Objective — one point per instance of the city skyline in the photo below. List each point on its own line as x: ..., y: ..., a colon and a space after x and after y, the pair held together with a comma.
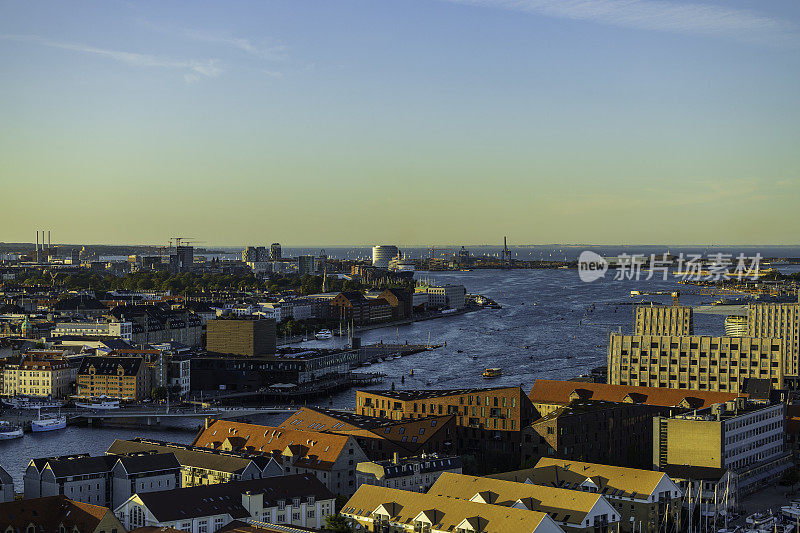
x: 424, y: 122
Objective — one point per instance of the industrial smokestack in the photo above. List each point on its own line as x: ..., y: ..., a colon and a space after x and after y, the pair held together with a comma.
x: 37, y: 241
x: 49, y: 244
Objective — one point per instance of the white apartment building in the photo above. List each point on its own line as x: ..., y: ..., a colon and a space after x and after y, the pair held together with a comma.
x: 446, y: 296
x: 297, y: 500
x: 123, y: 330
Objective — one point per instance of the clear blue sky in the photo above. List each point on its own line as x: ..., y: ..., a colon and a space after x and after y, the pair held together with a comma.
x: 406, y: 121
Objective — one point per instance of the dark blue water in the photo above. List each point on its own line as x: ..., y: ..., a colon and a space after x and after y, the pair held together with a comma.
x: 552, y: 325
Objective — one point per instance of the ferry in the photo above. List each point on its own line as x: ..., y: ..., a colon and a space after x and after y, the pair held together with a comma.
x: 9, y: 431
x: 324, y: 334
x: 97, y: 403
x: 48, y: 423
x: 492, y: 373
x: 24, y: 402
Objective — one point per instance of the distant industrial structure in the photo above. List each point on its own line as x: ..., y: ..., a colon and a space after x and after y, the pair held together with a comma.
x: 382, y: 254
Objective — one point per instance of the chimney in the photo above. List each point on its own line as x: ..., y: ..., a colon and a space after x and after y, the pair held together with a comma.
x: 396, y: 458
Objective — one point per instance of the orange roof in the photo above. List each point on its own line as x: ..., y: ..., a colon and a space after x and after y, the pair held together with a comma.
x: 314, y: 449
x: 549, y: 391
x: 416, y: 431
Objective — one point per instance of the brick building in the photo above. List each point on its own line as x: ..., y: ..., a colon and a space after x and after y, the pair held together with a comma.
x: 489, y: 422
x: 241, y: 337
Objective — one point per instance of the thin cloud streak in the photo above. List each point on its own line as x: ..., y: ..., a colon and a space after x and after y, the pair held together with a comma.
x: 274, y: 53
x: 194, y: 70
x: 659, y: 15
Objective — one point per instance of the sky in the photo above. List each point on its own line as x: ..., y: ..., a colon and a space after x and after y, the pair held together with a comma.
x: 411, y: 122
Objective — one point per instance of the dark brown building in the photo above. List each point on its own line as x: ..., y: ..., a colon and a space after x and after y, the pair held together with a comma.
x: 241, y: 337
x: 489, y: 422
x: 619, y: 434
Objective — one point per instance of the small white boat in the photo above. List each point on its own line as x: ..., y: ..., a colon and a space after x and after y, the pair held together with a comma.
x: 48, y: 423
x: 324, y: 334
x: 761, y: 521
x: 25, y: 402
x: 98, y: 403
x: 10, y: 431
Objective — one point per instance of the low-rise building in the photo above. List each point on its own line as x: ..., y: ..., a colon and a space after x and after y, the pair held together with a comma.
x: 249, y: 338
x: 125, y: 378
x: 573, y: 510
x: 204, y: 466
x: 489, y: 421
x: 38, y: 374
x: 296, y: 500
x: 594, y: 431
x: 646, y: 500
x: 445, y: 296
x: 105, y: 480
x: 379, y: 438
x: 123, y: 330
x: 160, y: 323
x: 374, y: 508
x: 330, y: 457
x: 6, y: 486
x: 57, y: 514
x: 745, y: 437
x: 409, y: 473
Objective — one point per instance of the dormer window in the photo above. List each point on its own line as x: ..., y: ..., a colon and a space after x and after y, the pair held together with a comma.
x: 281, y: 505
x: 296, y: 502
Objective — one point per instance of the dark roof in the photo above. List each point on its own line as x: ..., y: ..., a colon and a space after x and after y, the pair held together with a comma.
x: 149, y: 462
x: 11, y: 309
x: 705, y: 473
x: 206, y: 500
x: 187, y: 455
x: 113, y: 343
x: 78, y: 302
x: 76, y: 465
x: 757, y: 388
x: 108, y: 365
x: 407, y: 395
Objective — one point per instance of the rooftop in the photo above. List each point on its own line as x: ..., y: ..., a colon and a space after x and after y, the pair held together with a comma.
x: 206, y: 500
x: 443, y: 513
x: 411, y: 395
x: 549, y: 391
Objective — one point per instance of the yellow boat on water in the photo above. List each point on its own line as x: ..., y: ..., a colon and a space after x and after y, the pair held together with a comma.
x: 492, y: 373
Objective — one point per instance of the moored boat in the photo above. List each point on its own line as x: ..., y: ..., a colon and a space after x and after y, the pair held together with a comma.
x: 48, y: 423
x: 324, y: 334
x: 25, y: 402
x: 97, y: 403
x: 492, y: 373
x: 9, y: 431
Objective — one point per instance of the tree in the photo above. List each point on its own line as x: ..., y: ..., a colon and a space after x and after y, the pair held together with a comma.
x: 337, y: 523
x: 158, y: 393
x: 791, y: 477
